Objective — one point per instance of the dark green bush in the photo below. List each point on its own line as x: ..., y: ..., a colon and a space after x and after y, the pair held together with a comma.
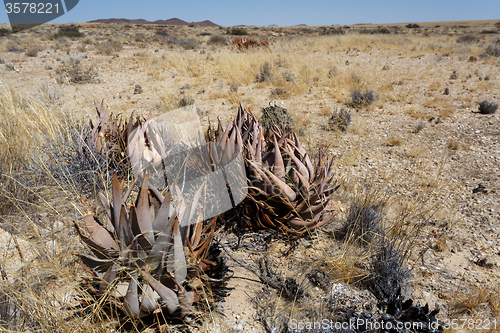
x: 68, y: 31
x: 237, y: 32
x: 4, y: 32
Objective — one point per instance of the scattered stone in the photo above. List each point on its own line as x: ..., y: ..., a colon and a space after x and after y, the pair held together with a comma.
x: 138, y: 89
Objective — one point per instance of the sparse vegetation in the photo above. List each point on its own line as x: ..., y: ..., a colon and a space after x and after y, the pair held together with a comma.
x: 109, y: 47
x: 487, y: 107
x: 276, y: 115
x: 467, y: 39
x: 237, y: 31
x: 33, y: 51
x: 339, y: 120
x: 68, y: 31
x: 384, y: 105
x: 73, y: 72
x: 361, y: 100
x: 5, y: 32
x: 217, y: 40
x: 264, y: 73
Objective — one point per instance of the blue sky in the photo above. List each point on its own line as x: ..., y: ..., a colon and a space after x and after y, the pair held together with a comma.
x: 284, y: 13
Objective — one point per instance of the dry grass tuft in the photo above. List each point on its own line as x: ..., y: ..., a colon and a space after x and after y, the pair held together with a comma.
x: 479, y: 299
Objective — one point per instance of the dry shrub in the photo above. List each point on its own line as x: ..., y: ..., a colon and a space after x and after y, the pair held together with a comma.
x: 361, y: 100
x: 339, y: 120
x: 217, y: 40
x: 33, y: 51
x: 275, y: 115
x: 280, y: 92
x: 264, y: 74
x: 393, y: 140
x: 453, y: 144
x: 73, y: 72
x: 109, y: 47
x: 487, y: 107
x: 470, y: 301
x: 467, y: 39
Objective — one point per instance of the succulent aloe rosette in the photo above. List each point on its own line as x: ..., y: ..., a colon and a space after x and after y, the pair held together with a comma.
x: 124, y: 143
x: 150, y: 257
x: 285, y: 190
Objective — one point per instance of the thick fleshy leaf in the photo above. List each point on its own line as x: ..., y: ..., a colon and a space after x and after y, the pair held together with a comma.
x: 117, y: 201
x: 98, y: 233
x: 267, y: 185
x: 107, y: 207
x: 148, y: 299
x: 300, y: 166
x: 191, y: 207
x: 131, y: 301
x: 124, y: 231
x: 167, y: 295
x: 98, y: 265
x: 99, y: 251
x: 186, y: 299
x: 279, y: 166
x: 304, y: 184
x: 143, y: 213
x: 179, y: 259
x: 108, y: 277
x: 285, y: 189
x: 163, y: 215
x: 312, y: 211
x: 162, y: 244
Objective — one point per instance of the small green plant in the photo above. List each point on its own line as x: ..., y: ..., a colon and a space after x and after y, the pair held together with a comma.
x: 5, y: 32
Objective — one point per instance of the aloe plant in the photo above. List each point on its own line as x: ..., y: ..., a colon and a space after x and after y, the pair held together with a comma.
x: 149, y: 257
x: 285, y: 190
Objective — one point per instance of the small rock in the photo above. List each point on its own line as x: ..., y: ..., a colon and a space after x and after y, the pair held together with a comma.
x: 138, y: 89
x: 238, y: 327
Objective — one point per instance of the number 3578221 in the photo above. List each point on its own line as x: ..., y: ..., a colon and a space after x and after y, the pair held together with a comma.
x: 31, y: 7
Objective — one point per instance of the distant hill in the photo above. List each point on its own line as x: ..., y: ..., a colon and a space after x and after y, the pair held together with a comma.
x: 172, y: 21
